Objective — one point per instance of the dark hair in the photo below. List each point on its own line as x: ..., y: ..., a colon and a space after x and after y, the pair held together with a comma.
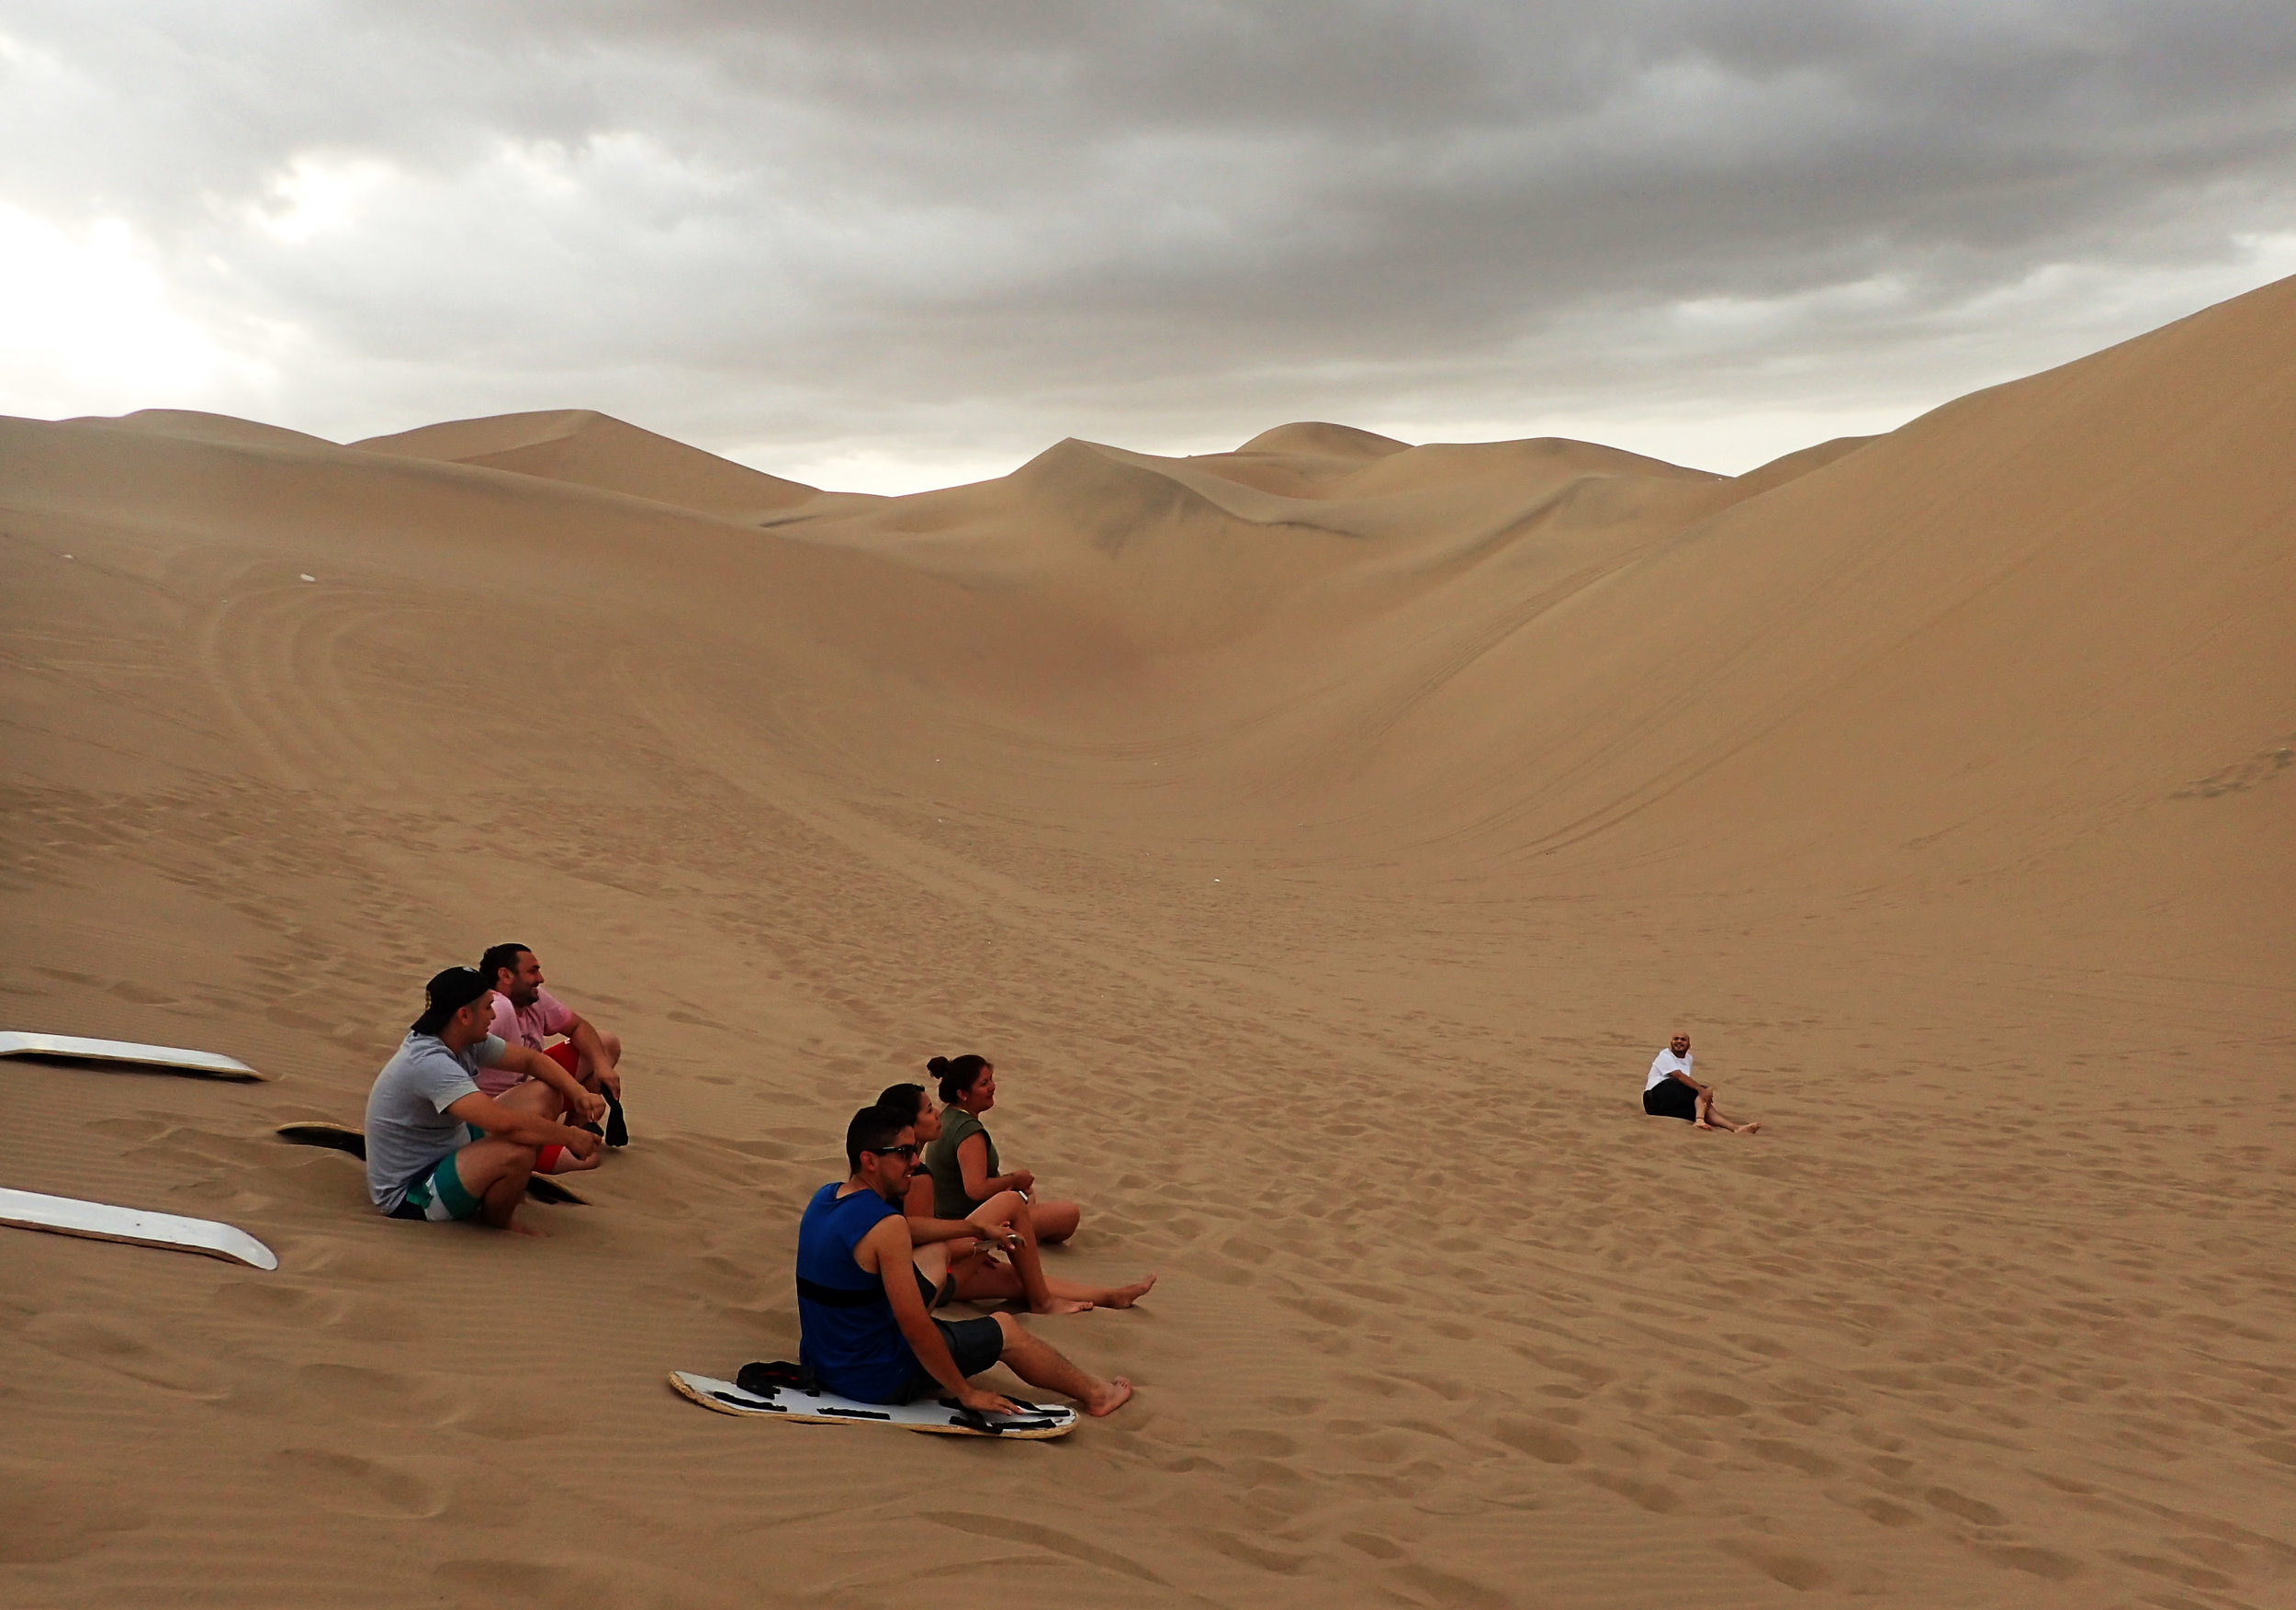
x: 908, y: 1099
x: 957, y: 1074
x: 872, y: 1129
x: 446, y: 994
x: 498, y: 957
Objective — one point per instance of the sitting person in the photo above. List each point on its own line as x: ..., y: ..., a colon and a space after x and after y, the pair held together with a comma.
x: 527, y: 1013
x: 437, y: 1146
x: 1670, y: 1092
x: 964, y: 1160
x: 864, y: 1289
x: 979, y: 1276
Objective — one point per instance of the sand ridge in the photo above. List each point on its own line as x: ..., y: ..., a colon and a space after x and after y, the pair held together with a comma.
x: 1320, y: 856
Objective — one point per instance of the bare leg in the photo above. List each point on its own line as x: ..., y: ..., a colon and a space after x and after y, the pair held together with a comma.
x: 1753, y: 1128
x: 932, y: 1262
x: 1040, y: 1365
x: 496, y: 1173
x: 1028, y: 1264
x: 985, y: 1280
x: 1705, y: 1109
x: 591, y: 1078
x: 534, y: 1096
x: 1056, y: 1222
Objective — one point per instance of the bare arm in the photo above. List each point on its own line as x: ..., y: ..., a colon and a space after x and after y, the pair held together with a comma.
x: 527, y: 1129
x: 979, y: 1183
x: 888, y: 1247
x: 1679, y: 1078
x: 523, y: 1059
x: 990, y: 1224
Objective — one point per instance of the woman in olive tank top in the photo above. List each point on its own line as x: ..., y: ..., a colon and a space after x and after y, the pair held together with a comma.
x: 979, y: 1276
x: 964, y: 1163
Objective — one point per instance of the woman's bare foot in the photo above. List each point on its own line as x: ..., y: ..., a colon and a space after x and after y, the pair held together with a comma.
x: 1062, y: 1305
x: 1125, y: 1296
x: 1112, y: 1396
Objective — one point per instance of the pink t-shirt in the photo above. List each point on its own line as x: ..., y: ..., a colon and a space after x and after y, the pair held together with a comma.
x: 532, y: 1027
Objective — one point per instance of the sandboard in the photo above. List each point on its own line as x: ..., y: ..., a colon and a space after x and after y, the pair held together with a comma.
x: 209, y: 1063
x: 542, y: 1188
x: 942, y: 1417
x: 102, y: 1221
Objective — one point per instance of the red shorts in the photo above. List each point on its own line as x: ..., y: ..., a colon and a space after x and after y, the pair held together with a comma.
x: 565, y: 1055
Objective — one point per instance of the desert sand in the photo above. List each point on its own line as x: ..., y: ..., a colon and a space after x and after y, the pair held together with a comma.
x: 1321, y: 838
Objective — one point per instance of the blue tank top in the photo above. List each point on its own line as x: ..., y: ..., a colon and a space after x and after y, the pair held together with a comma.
x: 847, y: 1334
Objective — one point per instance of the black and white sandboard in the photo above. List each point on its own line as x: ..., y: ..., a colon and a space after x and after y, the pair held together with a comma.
x: 942, y: 1416
x: 208, y: 1063
x: 542, y: 1188
x: 102, y: 1221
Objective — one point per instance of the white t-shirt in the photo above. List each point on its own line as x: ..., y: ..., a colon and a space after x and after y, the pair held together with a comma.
x: 1663, y: 1066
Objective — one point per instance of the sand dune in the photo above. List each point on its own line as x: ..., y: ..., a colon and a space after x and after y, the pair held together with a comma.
x: 1321, y: 836
x: 596, y: 450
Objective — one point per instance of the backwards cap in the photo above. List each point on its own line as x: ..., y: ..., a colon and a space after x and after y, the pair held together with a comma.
x: 449, y: 992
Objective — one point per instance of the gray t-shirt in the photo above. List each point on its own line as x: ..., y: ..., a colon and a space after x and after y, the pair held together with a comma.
x: 408, y: 1130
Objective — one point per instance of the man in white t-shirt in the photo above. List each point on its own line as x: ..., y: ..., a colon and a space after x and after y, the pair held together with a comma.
x: 527, y: 1013
x: 1671, y: 1091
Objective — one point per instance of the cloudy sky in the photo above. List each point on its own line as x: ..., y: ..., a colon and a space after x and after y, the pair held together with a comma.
x: 881, y: 244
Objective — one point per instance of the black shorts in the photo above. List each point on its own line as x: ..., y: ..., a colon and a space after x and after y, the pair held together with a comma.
x: 1670, y: 1098
x: 974, y: 1344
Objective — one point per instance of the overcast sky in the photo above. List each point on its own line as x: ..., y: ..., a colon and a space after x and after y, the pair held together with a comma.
x: 888, y: 246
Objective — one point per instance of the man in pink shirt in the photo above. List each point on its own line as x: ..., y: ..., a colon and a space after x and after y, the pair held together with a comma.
x: 527, y: 1013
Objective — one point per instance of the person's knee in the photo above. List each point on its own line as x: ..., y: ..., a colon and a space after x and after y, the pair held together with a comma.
x: 611, y: 1042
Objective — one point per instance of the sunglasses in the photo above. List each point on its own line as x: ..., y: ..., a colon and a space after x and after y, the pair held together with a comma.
x: 906, y: 1154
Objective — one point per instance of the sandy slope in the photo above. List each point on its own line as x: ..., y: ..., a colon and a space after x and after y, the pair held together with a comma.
x: 592, y: 449
x: 1321, y: 836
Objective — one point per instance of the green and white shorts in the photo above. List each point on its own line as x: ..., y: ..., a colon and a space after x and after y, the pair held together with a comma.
x: 438, y: 1194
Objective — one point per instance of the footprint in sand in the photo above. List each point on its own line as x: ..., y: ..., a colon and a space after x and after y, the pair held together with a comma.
x: 1543, y: 1443
x: 353, y: 1484
x: 1976, y: 1511
x: 70, y: 1337
x: 54, y: 1515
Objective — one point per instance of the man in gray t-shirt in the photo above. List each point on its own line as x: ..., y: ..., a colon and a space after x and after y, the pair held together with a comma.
x: 438, y: 1147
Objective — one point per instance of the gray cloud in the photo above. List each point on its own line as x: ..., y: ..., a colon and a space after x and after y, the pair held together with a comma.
x: 932, y: 233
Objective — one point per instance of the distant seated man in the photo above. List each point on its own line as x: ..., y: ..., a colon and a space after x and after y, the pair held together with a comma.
x: 527, y: 1013
x: 437, y: 1146
x: 864, y: 1290
x: 1670, y: 1091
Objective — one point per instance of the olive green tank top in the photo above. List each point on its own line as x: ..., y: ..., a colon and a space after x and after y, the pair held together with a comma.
x: 941, y: 1161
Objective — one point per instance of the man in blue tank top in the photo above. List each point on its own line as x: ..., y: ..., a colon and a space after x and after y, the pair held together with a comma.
x: 865, y: 1290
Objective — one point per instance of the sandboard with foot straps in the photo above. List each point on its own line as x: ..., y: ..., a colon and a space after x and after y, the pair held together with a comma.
x: 206, y: 1063
x: 542, y: 1188
x: 103, y: 1222
x: 942, y: 1416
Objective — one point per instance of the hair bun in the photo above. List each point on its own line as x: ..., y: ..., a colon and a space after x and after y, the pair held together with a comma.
x: 937, y: 1065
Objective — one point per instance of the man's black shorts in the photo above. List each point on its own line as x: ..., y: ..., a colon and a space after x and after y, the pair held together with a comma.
x: 974, y: 1344
x: 1670, y: 1098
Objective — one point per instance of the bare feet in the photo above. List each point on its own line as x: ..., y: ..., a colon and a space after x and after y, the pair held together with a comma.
x: 1062, y: 1305
x: 515, y: 1228
x: 1704, y: 1125
x: 1125, y: 1296
x: 1750, y: 1128
x: 1112, y: 1396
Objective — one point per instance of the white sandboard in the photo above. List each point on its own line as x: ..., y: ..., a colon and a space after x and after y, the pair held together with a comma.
x: 938, y: 1415
x: 214, y: 1065
x: 102, y: 1221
